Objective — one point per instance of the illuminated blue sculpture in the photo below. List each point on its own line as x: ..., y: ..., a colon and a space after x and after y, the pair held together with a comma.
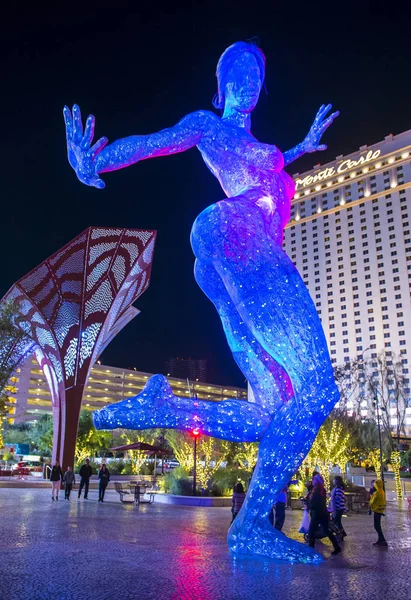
x: 269, y: 319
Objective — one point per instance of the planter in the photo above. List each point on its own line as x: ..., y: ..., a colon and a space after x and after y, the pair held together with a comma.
x: 207, y: 501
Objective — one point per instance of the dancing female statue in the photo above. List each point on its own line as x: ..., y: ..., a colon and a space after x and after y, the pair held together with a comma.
x: 269, y: 319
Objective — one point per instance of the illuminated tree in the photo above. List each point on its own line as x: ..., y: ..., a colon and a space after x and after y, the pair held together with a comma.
x: 388, y: 383
x: 375, y: 460
x: 247, y: 455
x: 89, y: 440
x: 83, y: 446
x: 396, y: 464
x: 182, y: 444
x: 331, y: 447
x: 212, y: 453
x: 138, y: 457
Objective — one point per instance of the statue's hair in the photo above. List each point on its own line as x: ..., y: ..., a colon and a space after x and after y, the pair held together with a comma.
x: 227, y: 60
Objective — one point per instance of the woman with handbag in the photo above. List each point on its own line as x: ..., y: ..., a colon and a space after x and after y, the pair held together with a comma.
x: 319, y: 514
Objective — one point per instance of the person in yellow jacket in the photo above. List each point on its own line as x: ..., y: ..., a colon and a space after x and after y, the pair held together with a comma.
x: 377, y: 505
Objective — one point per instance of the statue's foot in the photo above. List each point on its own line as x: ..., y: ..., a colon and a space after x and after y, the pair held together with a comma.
x: 139, y: 410
x: 271, y: 543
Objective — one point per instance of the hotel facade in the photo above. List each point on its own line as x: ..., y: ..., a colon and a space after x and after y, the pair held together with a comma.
x: 350, y: 237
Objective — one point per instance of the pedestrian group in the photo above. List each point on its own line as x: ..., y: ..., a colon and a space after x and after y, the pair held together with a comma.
x: 57, y: 479
x: 321, y: 518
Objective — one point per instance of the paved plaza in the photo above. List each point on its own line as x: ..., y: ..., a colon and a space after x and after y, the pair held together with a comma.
x: 88, y: 550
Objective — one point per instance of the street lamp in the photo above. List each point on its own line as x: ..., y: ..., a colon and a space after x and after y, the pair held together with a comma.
x: 195, y: 433
x: 379, y: 436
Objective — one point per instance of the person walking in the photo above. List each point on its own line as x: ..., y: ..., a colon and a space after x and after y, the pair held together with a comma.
x: 280, y: 506
x: 319, y: 514
x: 377, y: 505
x: 56, y: 476
x: 338, y: 502
x: 69, y: 479
x: 370, y: 493
x: 104, y: 478
x: 237, y: 500
x: 85, y: 473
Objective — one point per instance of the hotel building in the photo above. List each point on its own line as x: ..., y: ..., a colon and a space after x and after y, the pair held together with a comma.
x: 350, y: 237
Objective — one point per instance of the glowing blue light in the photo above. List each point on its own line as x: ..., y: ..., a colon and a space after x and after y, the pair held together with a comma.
x: 269, y: 319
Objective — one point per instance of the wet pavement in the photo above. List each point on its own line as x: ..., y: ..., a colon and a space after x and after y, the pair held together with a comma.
x: 86, y: 550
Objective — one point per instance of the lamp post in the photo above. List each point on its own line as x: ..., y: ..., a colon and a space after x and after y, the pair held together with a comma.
x: 379, y: 436
x: 195, y: 433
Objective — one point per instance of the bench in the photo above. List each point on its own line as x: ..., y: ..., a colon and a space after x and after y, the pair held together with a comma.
x: 141, y: 493
x: 120, y: 490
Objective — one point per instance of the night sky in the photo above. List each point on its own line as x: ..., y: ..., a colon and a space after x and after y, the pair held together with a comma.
x: 141, y: 69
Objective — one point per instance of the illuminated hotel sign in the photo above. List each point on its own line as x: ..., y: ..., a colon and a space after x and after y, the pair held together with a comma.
x: 344, y: 166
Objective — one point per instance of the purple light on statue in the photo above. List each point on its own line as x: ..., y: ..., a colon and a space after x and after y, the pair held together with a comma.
x: 268, y: 317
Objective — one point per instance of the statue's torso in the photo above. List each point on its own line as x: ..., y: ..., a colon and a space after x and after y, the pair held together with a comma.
x: 246, y: 167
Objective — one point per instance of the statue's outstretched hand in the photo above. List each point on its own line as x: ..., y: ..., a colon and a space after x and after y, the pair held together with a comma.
x: 320, y: 125
x: 81, y: 154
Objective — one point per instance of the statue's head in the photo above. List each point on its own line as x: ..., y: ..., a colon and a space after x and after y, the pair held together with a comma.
x: 240, y: 77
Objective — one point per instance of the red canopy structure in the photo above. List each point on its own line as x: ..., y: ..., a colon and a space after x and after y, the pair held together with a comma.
x: 72, y: 305
x: 140, y: 446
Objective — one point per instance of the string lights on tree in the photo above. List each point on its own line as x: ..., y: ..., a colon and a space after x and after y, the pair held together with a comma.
x: 396, y: 464
x: 331, y: 447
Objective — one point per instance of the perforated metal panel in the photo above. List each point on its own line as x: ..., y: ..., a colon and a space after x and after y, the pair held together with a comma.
x: 73, y: 304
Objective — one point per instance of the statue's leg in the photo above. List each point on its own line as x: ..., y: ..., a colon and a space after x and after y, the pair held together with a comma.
x: 157, y: 406
x: 283, y: 447
x: 275, y: 306
x: 269, y: 295
x: 270, y: 383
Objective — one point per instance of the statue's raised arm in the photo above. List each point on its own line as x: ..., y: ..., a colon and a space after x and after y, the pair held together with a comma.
x: 89, y: 160
x: 311, y: 142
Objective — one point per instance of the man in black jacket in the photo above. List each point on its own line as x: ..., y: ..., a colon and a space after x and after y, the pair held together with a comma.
x: 85, y: 474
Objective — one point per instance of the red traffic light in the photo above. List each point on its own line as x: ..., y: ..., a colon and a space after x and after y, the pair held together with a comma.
x: 196, y: 432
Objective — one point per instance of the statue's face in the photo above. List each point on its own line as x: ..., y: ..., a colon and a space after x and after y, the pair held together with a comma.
x: 243, y: 85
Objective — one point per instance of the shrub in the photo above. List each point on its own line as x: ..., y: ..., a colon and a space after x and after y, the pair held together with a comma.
x: 116, y: 467
x: 147, y: 468
x: 95, y: 466
x: 177, y: 482
x: 161, y: 484
x: 181, y: 487
x: 127, y: 470
x: 225, y: 479
x: 168, y: 478
x: 216, y: 490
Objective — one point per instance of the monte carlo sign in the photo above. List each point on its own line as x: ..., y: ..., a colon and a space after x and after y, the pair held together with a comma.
x: 342, y: 167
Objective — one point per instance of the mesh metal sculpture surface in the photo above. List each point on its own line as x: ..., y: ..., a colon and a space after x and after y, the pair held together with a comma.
x: 267, y: 314
x: 72, y: 305
x: 15, y: 345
